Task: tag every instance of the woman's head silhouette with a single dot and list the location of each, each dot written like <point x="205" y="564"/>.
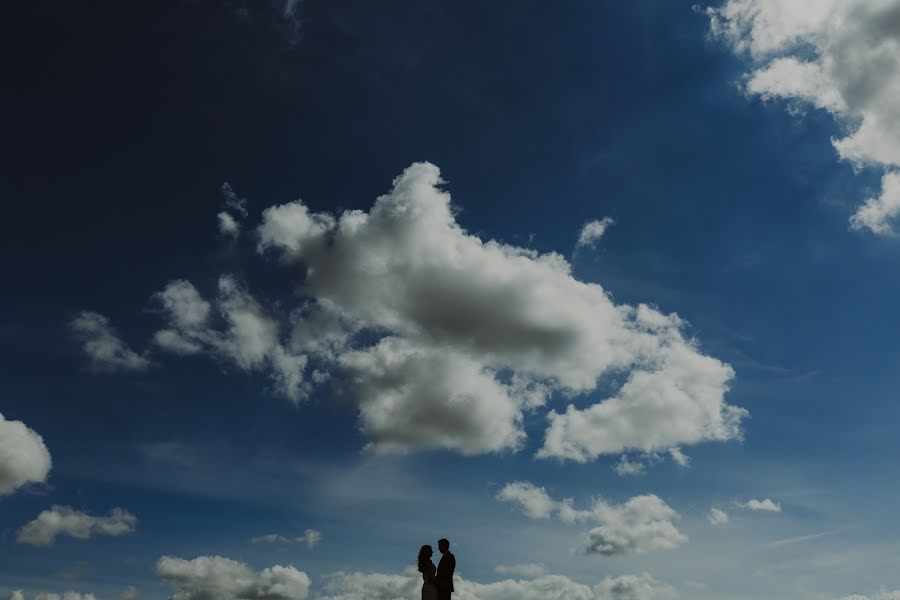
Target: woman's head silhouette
<point x="424" y="556"/>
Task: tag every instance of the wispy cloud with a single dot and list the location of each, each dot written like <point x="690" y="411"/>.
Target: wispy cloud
<point x="800" y="539"/>
<point x="103" y="346"/>
<point x="311" y="538"/>
<point x="65" y="520"/>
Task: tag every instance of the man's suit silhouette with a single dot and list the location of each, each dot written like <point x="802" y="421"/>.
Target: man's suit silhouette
<point x="444" y="575"/>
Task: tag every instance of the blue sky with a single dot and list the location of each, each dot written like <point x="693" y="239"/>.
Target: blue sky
<point x="717" y="144"/>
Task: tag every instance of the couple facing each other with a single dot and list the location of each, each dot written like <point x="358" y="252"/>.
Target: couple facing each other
<point x="438" y="581"/>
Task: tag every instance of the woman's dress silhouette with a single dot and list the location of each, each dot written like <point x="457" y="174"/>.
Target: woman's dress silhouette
<point x="427" y="569"/>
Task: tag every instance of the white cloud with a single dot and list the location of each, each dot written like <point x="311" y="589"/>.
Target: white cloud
<point x="64" y="520"/>
<point x="634" y="587"/>
<point x="311" y="538"/>
<point x="20" y="595"/>
<point x="419" y="396"/>
<point x="681" y="459"/>
<point x="717" y="516"/>
<point x="630" y="468"/>
<point x="249" y="339"/>
<point x="407" y="586"/>
<point x="878" y="212"/>
<point x="882" y="595"/>
<point x="592" y="231"/>
<point x="546" y="587"/>
<point x="219" y="578"/>
<point x="23" y="456"/>
<point x="130" y="593"/>
<point x="228" y="226"/>
<point x="766" y="505"/>
<point x="533" y="501"/>
<point x="842" y="56"/>
<point x="474" y="332"/>
<point x="523" y="570"/>
<point x="686" y="386"/>
<point x="641" y="524"/>
<point x="374" y="586"/>
<point x="102" y="345"/>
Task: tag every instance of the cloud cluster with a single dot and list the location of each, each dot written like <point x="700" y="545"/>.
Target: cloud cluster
<point x="446" y="340"/>
<point x="883" y="595"/>
<point x="64" y="520"/>
<point x="842" y="56"/>
<point x="23" y="456"/>
<point x="104" y="348"/>
<point x="471" y="333"/>
<point x="219" y="578"/>
<point x="245" y="335"/>
<point x="407" y="586"/>
<point x="641" y="524"/>
<point x="310" y="538"/>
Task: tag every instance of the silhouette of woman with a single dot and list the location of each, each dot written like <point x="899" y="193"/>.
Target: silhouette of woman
<point x="427" y="569"/>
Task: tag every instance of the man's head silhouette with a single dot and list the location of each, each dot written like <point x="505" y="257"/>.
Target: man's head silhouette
<point x="443" y="545"/>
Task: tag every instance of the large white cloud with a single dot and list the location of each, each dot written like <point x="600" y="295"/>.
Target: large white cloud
<point x="471" y="333"/>
<point x="64" y="520"/>
<point x="103" y="346"/>
<point x="842" y="56"/>
<point x="641" y="524"/>
<point x="445" y="340"/>
<point x="23" y="456"/>
<point x="407" y="586"/>
<point x="883" y="595"/>
<point x="219" y="578"/>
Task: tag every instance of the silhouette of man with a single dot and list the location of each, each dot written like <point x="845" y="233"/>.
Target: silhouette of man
<point x="444" y="576"/>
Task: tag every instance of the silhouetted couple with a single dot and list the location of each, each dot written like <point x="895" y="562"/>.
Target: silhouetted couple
<point x="438" y="582"/>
